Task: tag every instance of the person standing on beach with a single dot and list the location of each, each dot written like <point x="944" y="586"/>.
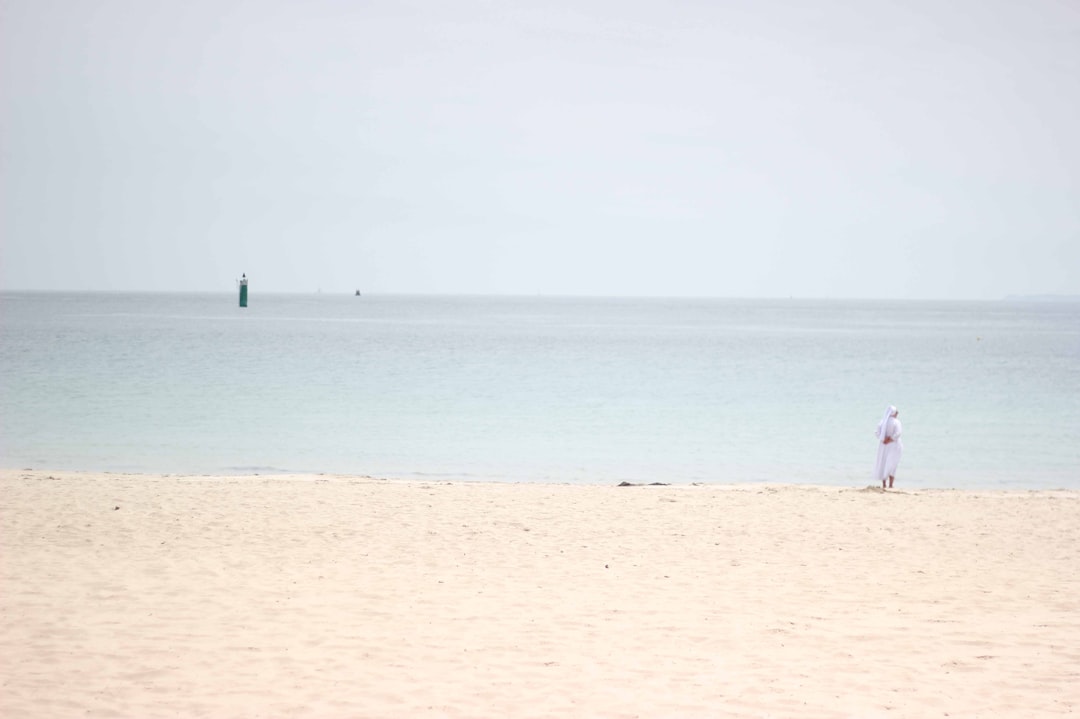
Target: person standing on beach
<point x="889" y="447"/>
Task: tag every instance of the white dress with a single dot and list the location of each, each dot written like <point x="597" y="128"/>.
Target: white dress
<point x="888" y="455"/>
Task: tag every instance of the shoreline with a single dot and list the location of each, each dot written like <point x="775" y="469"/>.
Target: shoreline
<point x="342" y="595"/>
<point x="7" y="473"/>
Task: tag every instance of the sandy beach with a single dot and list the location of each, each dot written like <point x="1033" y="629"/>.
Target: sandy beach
<point x="335" y="596"/>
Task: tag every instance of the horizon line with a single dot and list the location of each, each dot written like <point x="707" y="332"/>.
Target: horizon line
<point x="1035" y="297"/>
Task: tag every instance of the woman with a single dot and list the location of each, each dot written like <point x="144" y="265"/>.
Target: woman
<point x="889" y="447"/>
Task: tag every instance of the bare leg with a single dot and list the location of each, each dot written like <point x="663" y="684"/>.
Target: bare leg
<point x="883" y="483"/>
<point x="890" y="481"/>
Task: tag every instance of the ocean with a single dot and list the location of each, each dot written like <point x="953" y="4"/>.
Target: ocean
<point x="541" y="389"/>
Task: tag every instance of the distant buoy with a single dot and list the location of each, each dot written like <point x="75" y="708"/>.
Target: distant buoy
<point x="243" y="290"/>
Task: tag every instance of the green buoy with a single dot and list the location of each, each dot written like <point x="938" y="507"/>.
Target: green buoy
<point x="243" y="290"/>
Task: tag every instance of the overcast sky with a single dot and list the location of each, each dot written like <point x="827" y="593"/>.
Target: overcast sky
<point x="756" y="148"/>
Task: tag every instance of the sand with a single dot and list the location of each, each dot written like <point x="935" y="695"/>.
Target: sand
<point x="332" y="596"/>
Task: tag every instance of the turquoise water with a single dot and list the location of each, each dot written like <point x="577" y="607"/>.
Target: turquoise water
<point x="541" y="389"/>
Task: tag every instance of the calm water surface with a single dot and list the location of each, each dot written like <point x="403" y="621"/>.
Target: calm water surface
<point x="541" y="389"/>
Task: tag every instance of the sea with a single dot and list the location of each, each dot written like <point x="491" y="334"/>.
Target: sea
<point x="542" y="389"/>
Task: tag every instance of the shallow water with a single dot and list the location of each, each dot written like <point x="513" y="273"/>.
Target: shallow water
<point x="542" y="389"/>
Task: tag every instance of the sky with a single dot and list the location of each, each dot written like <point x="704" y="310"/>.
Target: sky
<point x="742" y="148"/>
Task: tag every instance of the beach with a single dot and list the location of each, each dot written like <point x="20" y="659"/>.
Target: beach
<point x="129" y="595"/>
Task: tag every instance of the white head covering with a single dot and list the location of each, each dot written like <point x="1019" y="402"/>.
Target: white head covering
<point x="883" y="428"/>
